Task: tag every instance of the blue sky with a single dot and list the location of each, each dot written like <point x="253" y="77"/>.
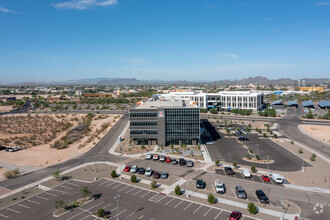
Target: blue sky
<point x="43" y="40"/>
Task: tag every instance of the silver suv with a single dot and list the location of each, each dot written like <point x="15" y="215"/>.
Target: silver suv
<point x="240" y="192"/>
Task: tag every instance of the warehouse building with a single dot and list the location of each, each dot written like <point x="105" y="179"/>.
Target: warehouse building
<point x="165" y="122"/>
<point x="227" y="99"/>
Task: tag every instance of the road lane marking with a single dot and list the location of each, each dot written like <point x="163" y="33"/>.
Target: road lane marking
<point x="197" y="209"/>
<point x="94" y="206"/>
<point x="51" y="194"/>
<point x="169" y="201"/>
<point x="24" y="206"/>
<point x="4" y="216"/>
<point x="137" y="192"/>
<point x="13" y="210"/>
<point x="110" y="184"/>
<point x="130" y="190"/>
<point x="145" y="194"/>
<point x="187" y="206"/>
<point x="207" y="211"/>
<point x="123" y="188"/>
<point x="33" y="202"/>
<point x="72" y="184"/>
<point x="178" y="204"/>
<point x="66" y="187"/>
<point x="218" y="215"/>
<point x="42" y="198"/>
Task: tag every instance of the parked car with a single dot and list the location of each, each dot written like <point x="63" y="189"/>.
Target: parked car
<point x="9" y="149"/>
<point x="16" y="149"/>
<point x="246" y="174"/>
<point x="155" y="157"/>
<point x="190" y="163"/>
<point x="164" y="175"/>
<point x="200" y="184"/>
<point x="174" y="161"/>
<point x="134" y="169"/>
<point x="240" y="192"/>
<point x="262" y="196"/>
<point x="156" y="175"/>
<point x="242" y="138"/>
<point x="148" y="156"/>
<point x="182" y="162"/>
<point x="127" y="168"/>
<point x="141" y="170"/>
<point x="219" y="186"/>
<point x="238" y="132"/>
<point x="277" y="178"/>
<point x="162" y="158"/>
<point x="229" y="171"/>
<point x="148" y="172"/>
<point x="209" y="143"/>
<point x="265" y="178"/>
<point x="168" y="160"/>
<point x="235" y="215"/>
<point x="2" y="147"/>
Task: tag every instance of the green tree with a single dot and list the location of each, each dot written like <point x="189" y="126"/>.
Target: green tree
<point x="113" y="174"/>
<point x="211" y="199"/>
<point x="153" y="184"/>
<point x="56" y="174"/>
<point x="235" y="164"/>
<point x="213" y="111"/>
<point x="177" y="190"/>
<point x="253" y="169"/>
<point x="217" y="162"/>
<point x="59" y="203"/>
<point x="101" y="213"/>
<point x="313" y="157"/>
<point x="85" y="191"/>
<point x="252" y="208"/>
<point x="133" y="179"/>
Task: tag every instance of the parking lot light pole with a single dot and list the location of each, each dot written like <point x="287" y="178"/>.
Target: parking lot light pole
<point x="257" y="149"/>
<point x="117" y="198"/>
<point x="268" y="163"/>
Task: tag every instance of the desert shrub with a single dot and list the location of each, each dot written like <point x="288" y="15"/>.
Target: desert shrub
<point x="177" y="190"/>
<point x="211" y="199"/>
<point x="113" y="174"/>
<point x="253" y="169"/>
<point x="101" y="213"/>
<point x="252" y="208"/>
<point x="153" y="184"/>
<point x="301" y="151"/>
<point x="313" y="157"/>
<point x="133" y="179"/>
<point x="11" y="173"/>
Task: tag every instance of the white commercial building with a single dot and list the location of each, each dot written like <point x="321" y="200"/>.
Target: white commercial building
<point x="227" y="99"/>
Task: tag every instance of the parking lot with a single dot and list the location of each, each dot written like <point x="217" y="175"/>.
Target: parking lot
<point x="134" y="203"/>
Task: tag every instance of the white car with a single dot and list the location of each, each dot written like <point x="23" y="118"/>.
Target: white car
<point x="246" y="174"/>
<point x="148" y="156"/>
<point x="219" y="186"/>
<point x="148" y="172"/>
<point x="134" y="169"/>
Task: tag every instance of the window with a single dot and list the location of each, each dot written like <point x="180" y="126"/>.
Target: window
<point x="144" y="132"/>
<point x="143" y="114"/>
<point x="143" y="123"/>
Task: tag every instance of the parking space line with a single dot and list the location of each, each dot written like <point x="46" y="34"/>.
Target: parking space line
<point x="198" y="209"/>
<point x="51" y="194"/>
<point x="107" y="206"/>
<point x="242" y="176"/>
<point x="178" y="204"/>
<point x="4" y="216"/>
<point x="119" y="213"/>
<point x="33" y="202"/>
<point x="145" y="194"/>
<point x="123" y="188"/>
<point x="72" y="184"/>
<point x="75" y="215"/>
<point x="233" y="192"/>
<point x="110" y="184"/>
<point x="85" y="217"/>
<point x="129" y="215"/>
<point x="169" y="201"/>
<point x="42" y="198"/>
<point x="130" y="190"/>
<point x="117" y="186"/>
<point x="24" y="206"/>
<point x="141" y="217"/>
<point x="243" y="217"/>
<point x="59" y="191"/>
<point x="261" y="179"/>
<point x="106" y="181"/>
<point x="137" y="192"/>
<point x="218" y="214"/>
<point x="271" y="204"/>
<point x="94" y="206"/>
<point x="13" y="210"/>
<point x="256" y="197"/>
<point x="187" y="206"/>
<point x="65" y="187"/>
<point x="207" y="211"/>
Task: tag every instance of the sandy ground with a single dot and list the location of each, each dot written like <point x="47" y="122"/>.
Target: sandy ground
<point x="42" y="155"/>
<point x="320" y="132"/>
<point x="4" y="108"/>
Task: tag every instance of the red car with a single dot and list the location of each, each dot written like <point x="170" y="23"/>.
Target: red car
<point x="168" y="160"/>
<point x="127" y="168"/>
<point x="265" y="178"/>
<point x="156" y="175"/>
<point x="235" y="215"/>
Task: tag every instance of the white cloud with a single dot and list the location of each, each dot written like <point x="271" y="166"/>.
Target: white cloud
<point x="323" y="3"/>
<point x="84" y="4"/>
<point x="230" y="55"/>
<point x="5" y="10"/>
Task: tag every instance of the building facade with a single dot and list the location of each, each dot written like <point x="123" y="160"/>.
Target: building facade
<point x="163" y="123"/>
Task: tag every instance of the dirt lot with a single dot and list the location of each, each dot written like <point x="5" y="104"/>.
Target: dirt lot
<point x="42" y="154"/>
<point x="4" y="108"/>
<point x="320" y="132"/>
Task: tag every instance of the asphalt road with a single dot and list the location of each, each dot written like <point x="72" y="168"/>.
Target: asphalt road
<point x="97" y="153"/>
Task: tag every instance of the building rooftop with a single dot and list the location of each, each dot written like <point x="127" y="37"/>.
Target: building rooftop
<point x="324" y="104"/>
<point x="292" y="102"/>
<point x="307" y="103"/>
<point x="180" y="103"/>
<point x="277" y="102"/>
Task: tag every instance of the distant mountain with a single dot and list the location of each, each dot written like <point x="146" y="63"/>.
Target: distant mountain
<point x="119" y="81"/>
<point x="258" y="80"/>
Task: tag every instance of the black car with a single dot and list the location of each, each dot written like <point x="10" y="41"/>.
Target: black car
<point x="182" y="162"/>
<point x="200" y="184"/>
<point x="141" y="170"/>
<point x="174" y="161"/>
<point x="229" y="171"/>
<point x="2" y="147"/>
<point x="262" y="196"/>
<point x="9" y="149"/>
<point x="243" y="138"/>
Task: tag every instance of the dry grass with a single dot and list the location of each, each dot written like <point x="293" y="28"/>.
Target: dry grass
<point x="11" y="173"/>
